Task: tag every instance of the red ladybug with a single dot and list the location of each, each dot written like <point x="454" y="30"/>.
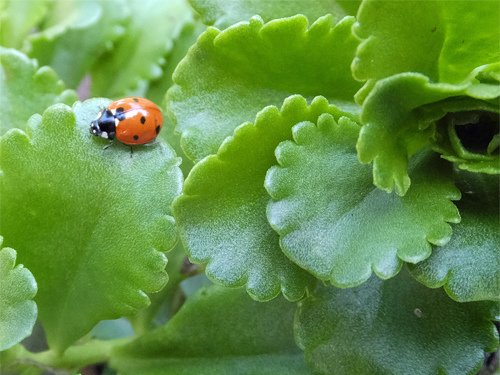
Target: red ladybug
<point x="132" y="121"/>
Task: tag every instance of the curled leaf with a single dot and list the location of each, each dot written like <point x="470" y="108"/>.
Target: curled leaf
<point x="470" y="137"/>
<point x="392" y="134"/>
<point x="414" y="54"/>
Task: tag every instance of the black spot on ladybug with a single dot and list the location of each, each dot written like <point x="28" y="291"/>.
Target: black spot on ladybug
<point x="143" y="119"/>
<point x="135" y="100"/>
<point x="158" y="129"/>
<point x="136" y="137"/>
<point x="120" y="113"/>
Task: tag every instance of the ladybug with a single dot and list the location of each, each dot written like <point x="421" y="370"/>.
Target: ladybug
<point x="132" y="121"/>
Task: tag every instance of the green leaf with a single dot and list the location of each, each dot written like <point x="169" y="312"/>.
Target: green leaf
<point x="222" y="212"/>
<point x="396" y="326"/>
<point x="460" y="58"/>
<point x="163" y="302"/>
<point x="335" y="224"/>
<point x="426" y="37"/>
<point x="137" y="58"/>
<point x="158" y="88"/>
<point x="218" y="331"/>
<point x="26" y="89"/>
<point x="91" y="223"/>
<point x="391" y="134"/>
<point x="77" y="33"/>
<point x="18" y="18"/>
<point x="468" y="266"/>
<point x="17" y="309"/>
<point x="222" y="14"/>
<point x="228" y="76"/>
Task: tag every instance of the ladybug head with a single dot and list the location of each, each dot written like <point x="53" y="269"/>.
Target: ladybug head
<point x="104" y="126"/>
<point x="94" y="128"/>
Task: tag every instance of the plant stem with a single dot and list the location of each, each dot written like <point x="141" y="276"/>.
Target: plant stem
<point x="75" y="357"/>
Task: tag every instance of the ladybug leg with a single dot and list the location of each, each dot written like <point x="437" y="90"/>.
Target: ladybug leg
<point x="131" y="151"/>
<point x="108" y="145"/>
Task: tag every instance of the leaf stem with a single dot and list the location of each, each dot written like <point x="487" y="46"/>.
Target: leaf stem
<point x="75" y="357"/>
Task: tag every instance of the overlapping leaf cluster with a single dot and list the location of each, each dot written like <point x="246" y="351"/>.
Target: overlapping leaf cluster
<point x="288" y="181"/>
<point x="341" y="163"/>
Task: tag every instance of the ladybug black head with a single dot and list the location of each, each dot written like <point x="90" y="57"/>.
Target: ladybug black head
<point x="104" y="126"/>
<point x="94" y="128"/>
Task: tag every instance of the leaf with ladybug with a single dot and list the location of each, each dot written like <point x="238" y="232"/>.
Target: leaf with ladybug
<point x="91" y="223"/>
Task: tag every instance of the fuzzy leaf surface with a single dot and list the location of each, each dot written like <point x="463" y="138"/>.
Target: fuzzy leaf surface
<point x="222" y="14"/>
<point x="17" y="309"/>
<point x="91" y="224"/>
<point x="440" y="39"/>
<point x="137" y="58"/>
<point x="222" y="212"/>
<point x="379" y="328"/>
<point x="76" y="35"/>
<point x="228" y="76"/>
<point x="18" y="18"/>
<point x="391" y="134"/>
<point x="335" y="224"/>
<point x="26" y="89"/>
<point x="218" y="331"/>
<point x="469" y="265"/>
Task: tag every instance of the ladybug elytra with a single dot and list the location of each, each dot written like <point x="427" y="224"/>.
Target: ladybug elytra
<point x="132" y="121"/>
